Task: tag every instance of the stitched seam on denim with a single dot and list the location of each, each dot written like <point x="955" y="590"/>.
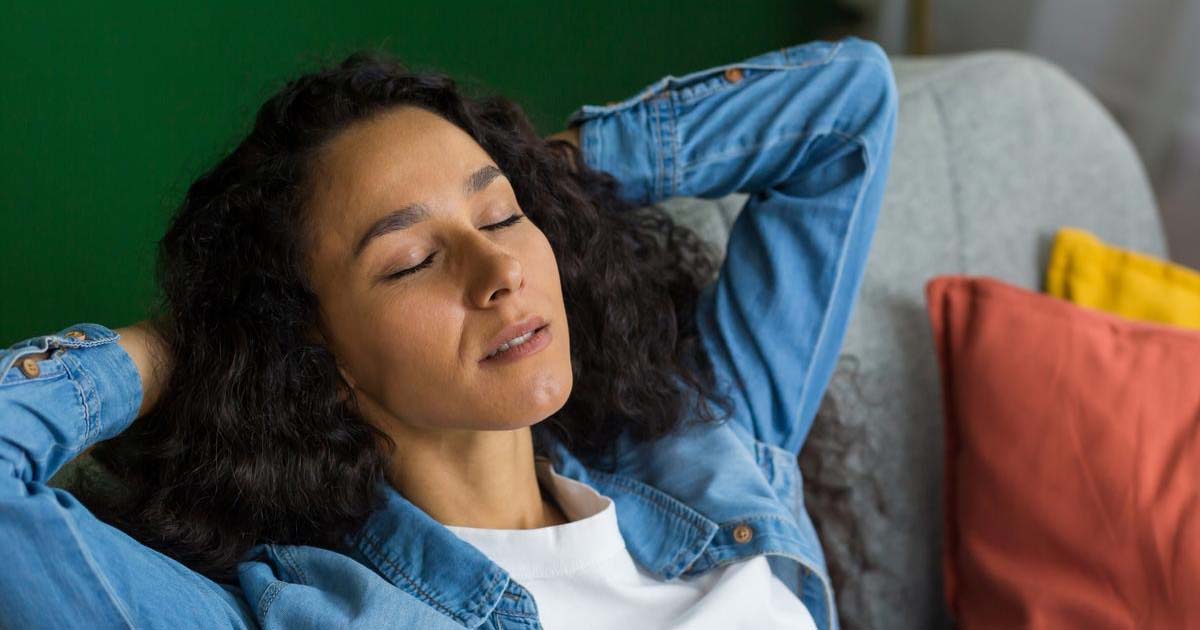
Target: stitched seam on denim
<point x="881" y="64"/>
<point x="61" y="337"/>
<point x="714" y="562"/>
<point x="765" y="460"/>
<point x="768" y="69"/>
<point x="94" y="406"/>
<point x="657" y="501"/>
<point x="656" y="134"/>
<point x="740" y="151"/>
<point x="642" y="492"/>
<point x="7" y="358"/>
<point x="757" y="515"/>
<point x="100" y="577"/>
<point x="267" y="599"/>
<point x="673" y="132"/>
<point x="12" y="354"/>
<point x="855" y="217"/>
<point x="775" y="551"/>
<point x="770" y="539"/>
<point x="377" y="548"/>
<point x="775" y="453"/>
<point x="833" y="51"/>
<point x="88" y="431"/>
<point x="85" y="385"/>
<point x="725" y="84"/>
<point x="287" y="556"/>
<point x="475" y="606"/>
<point x="629" y="485"/>
<point x="67" y="342"/>
<point x="40" y="379"/>
<point x="837" y="45"/>
<point x="515" y="614"/>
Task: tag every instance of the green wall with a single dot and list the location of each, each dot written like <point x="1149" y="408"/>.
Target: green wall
<point x="107" y="114"/>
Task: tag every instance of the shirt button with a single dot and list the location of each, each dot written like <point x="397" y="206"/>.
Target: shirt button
<point x="743" y="533"/>
<point x="733" y="75"/>
<point x="29" y="366"/>
<point x="77" y="335"/>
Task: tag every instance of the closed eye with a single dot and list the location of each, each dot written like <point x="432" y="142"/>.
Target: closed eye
<point x="429" y="260"/>
<point x="505" y="223"/>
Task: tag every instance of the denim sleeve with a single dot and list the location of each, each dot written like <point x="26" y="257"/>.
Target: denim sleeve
<point x="63" y="567"/>
<point x="807" y="132"/>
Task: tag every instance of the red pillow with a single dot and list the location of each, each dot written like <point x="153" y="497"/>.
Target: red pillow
<point x="1072" y="462"/>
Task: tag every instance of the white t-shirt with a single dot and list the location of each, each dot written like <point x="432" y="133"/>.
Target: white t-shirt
<point x="582" y="577"/>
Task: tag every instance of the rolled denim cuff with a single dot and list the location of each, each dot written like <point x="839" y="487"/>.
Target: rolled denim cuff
<point x="86" y="391"/>
<point x="109" y="385"/>
<point x="109" y="380"/>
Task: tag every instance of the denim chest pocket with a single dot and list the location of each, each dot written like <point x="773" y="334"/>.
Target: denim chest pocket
<point x="695" y="85"/>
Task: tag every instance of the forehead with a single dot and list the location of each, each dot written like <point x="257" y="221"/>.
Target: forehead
<point x="402" y="156"/>
<point x="405" y="150"/>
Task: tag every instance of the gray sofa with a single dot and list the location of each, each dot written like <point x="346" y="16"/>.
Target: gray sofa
<point x="995" y="150"/>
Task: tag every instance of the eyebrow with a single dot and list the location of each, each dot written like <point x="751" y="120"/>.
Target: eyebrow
<point x="416" y="212"/>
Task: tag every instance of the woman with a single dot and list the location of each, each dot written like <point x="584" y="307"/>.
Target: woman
<point x="417" y="367"/>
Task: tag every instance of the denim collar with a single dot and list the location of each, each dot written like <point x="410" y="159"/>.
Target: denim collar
<point x="668" y="511"/>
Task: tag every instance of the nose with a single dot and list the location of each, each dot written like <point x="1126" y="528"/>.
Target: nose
<point x="496" y="274"/>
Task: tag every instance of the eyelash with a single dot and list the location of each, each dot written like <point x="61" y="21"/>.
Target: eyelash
<point x="429" y="260"/>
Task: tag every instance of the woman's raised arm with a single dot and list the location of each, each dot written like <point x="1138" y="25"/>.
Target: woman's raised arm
<point x="64" y="568"/>
<point x="807" y="131"/>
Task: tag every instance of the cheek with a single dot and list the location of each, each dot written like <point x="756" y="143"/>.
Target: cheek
<point x="546" y="268"/>
<point x="416" y="345"/>
<point x="545" y="261"/>
<point x="415" y="350"/>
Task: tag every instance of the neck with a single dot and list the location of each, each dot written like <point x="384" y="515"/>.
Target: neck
<point x="469" y="478"/>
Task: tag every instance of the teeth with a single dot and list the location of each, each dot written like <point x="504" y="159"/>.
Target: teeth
<point x="515" y="342"/>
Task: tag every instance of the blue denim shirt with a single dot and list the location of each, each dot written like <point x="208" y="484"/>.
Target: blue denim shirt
<point x="806" y="130"/>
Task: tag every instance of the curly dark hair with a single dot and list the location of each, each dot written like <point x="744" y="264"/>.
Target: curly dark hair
<point x="250" y="441"/>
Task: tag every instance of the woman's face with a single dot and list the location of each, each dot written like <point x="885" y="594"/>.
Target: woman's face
<point x="412" y="345"/>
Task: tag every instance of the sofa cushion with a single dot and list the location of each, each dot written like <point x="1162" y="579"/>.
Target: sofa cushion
<point x="1072" y="453"/>
<point x="1092" y="273"/>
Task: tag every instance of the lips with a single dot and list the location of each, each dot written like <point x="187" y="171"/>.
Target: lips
<point x="512" y="331"/>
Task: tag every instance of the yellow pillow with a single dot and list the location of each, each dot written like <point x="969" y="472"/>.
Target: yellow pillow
<point x="1088" y="272"/>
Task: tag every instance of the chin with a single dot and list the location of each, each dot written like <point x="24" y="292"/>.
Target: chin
<point x="542" y="404"/>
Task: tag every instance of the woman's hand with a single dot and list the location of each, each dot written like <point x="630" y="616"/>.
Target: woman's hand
<point x="571" y="135"/>
<point x="149" y="354"/>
